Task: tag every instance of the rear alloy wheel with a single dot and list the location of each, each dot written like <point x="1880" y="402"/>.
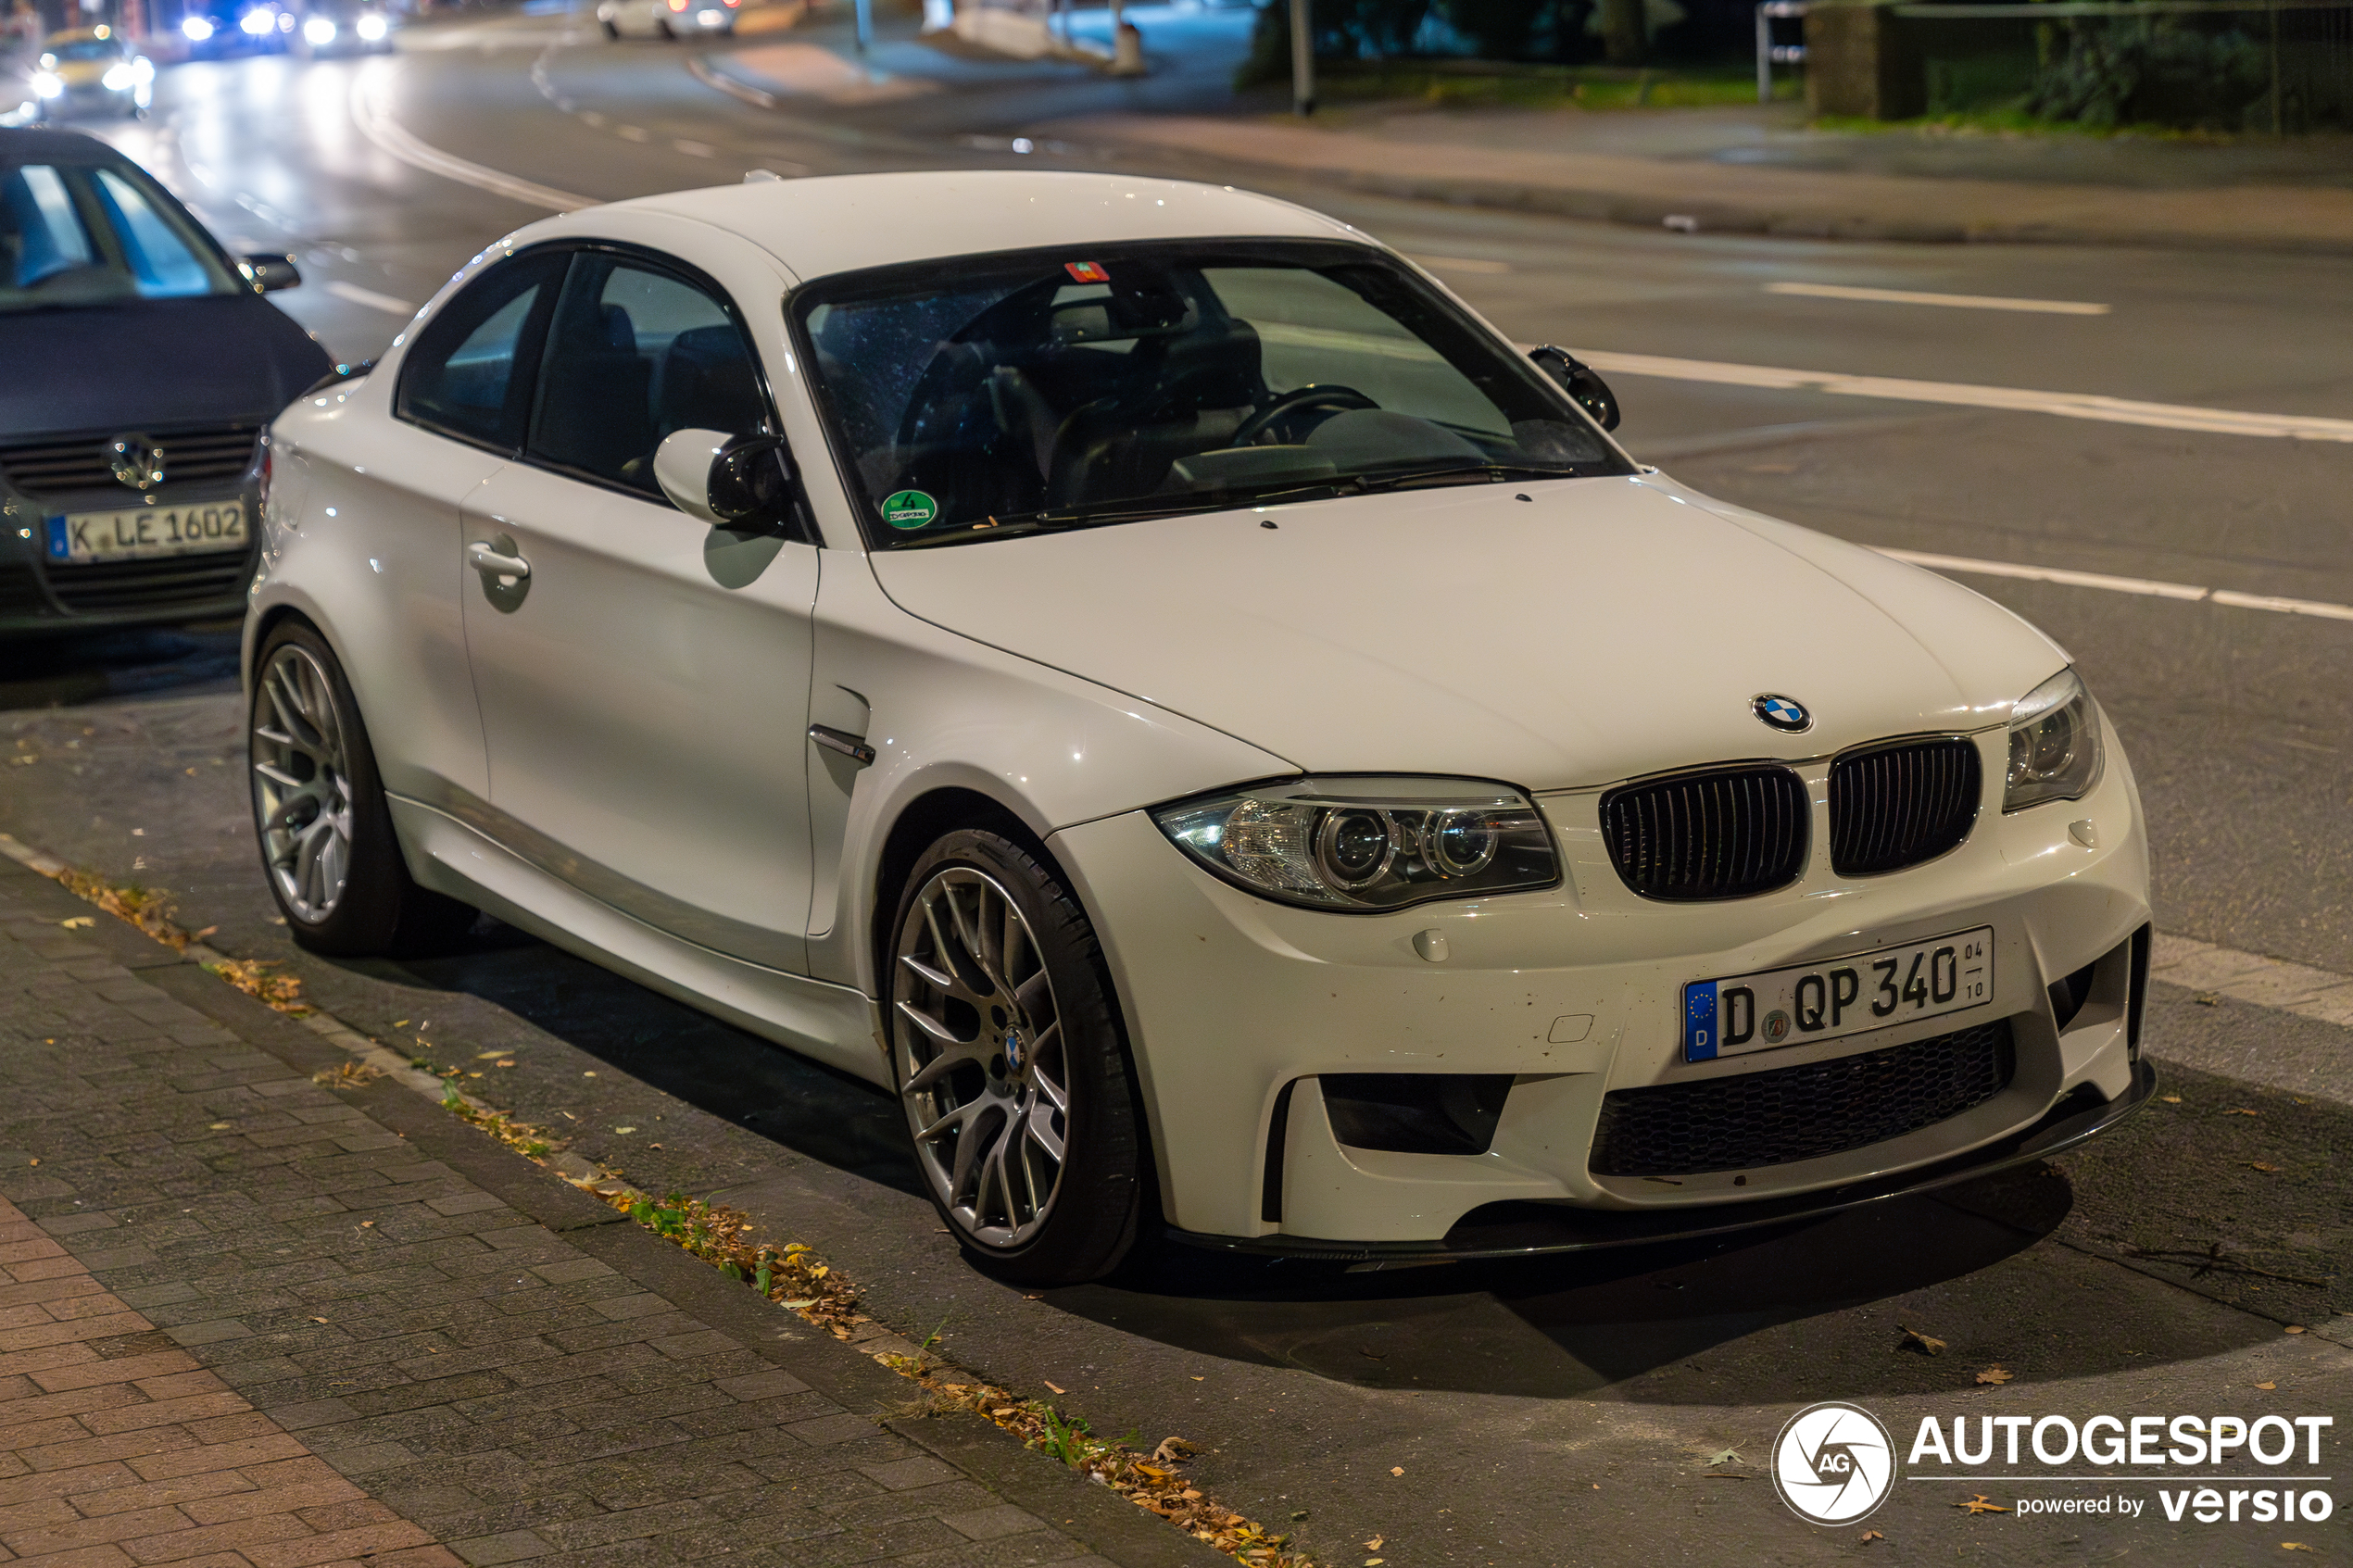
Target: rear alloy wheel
<point x="327" y="842"/>
<point x="1011" y="1066"/>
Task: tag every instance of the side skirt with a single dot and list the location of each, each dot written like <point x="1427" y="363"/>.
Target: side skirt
<point x="835" y="1025"/>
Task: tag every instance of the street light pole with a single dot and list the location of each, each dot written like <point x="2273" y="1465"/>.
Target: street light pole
<point x="1303" y="58"/>
<point x="866" y="24"/>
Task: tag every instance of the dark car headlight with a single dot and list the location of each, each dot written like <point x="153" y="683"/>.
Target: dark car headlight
<point x="2054" y="745"/>
<point x="1368" y="843"/>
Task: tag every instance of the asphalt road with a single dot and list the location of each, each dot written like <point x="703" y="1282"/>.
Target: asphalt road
<point x="1541" y="1414"/>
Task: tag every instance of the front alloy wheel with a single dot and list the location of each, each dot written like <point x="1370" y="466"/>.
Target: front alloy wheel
<point x="1010" y="1066"/>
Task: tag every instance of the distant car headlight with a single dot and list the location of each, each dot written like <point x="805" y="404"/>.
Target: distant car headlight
<point x="196" y="28"/>
<point x="372" y="27"/>
<point x="143" y="69"/>
<point x="257" y="22"/>
<point x="47" y="84"/>
<point x="2054" y="745"/>
<point x="1368" y="843"/>
<point x="119" y="77"/>
<point x="318" y="30"/>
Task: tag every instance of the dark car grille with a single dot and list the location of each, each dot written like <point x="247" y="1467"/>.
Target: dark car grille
<point x="1758" y="1119"/>
<point x="1901" y="805"/>
<point x="82" y="462"/>
<point x="144" y="584"/>
<point x="1722" y="835"/>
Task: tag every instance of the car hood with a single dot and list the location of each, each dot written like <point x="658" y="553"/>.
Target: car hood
<point x="219" y="359"/>
<point x="1571" y="633"/>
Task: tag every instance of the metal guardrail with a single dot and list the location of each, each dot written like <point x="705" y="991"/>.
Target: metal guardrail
<point x="1770" y="53"/>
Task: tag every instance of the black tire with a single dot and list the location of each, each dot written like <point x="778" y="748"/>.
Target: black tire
<point x="611" y="32"/>
<point x="669" y="33"/>
<point x="1090" y="1218"/>
<point x="379" y="910"/>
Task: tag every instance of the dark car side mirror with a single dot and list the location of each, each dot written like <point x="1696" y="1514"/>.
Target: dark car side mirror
<point x="1591" y="393"/>
<point x="268" y="272"/>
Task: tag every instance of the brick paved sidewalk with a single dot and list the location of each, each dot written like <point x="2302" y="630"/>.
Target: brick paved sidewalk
<point x="253" y="1322"/>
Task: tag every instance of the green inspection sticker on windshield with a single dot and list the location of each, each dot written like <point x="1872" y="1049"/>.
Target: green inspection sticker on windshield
<point x="910" y="508"/>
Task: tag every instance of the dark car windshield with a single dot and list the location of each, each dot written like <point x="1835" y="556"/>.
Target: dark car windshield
<point x="88" y="49"/>
<point x="1001" y="394"/>
<point x="71" y="234"/>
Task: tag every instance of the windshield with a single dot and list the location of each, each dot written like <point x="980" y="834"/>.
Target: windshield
<point x="87" y="49"/>
<point x="74" y="235"/>
<point x="1009" y="392"/>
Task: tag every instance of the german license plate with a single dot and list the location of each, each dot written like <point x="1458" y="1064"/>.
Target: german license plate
<point x="79" y="538"/>
<point x="1842" y="996"/>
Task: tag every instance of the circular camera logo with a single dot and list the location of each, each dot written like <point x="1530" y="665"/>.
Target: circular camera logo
<point x="1833" y="1464"/>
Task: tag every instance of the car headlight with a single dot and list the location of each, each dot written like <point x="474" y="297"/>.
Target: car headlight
<point x="198" y="29"/>
<point x="257" y="22"/>
<point x="319" y="31"/>
<point x="371" y="27"/>
<point x="48" y="84"/>
<point x="118" y="78"/>
<point x="1367" y="843"/>
<point x="2054" y="745"/>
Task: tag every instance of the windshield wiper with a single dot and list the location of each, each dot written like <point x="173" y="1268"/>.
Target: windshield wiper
<point x="1060" y="520"/>
<point x="1459" y="474"/>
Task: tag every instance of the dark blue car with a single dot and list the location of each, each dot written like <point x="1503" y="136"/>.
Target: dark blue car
<point x="139" y="365"/>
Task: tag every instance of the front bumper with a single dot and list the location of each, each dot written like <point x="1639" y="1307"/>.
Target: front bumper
<point x="37" y="596"/>
<point x="1237" y="1009"/>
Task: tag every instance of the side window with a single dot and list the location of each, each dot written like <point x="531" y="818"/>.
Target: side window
<point x="469" y="373"/>
<point x="634" y="354"/>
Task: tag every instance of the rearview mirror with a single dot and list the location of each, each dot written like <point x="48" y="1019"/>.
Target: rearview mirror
<point x="1591" y="393"/>
<point x="741" y="482"/>
<point x="268" y="272"/>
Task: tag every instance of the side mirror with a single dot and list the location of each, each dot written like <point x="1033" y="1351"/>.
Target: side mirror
<point x="268" y="272"/>
<point x="1591" y="393"/>
<point x="744" y="482"/>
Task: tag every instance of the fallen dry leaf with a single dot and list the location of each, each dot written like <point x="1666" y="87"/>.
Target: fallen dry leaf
<point x="2267" y="1387"/>
<point x="2171" y="1099"/>
<point x="1175" y="1450"/>
<point x="220" y="1127"/>
<point x="1375" y="1561"/>
<point x="2207" y="998"/>
<point x="2292" y="1328"/>
<point x="1927" y="1344"/>
<point x="2240" y="1110"/>
<point x="1723" y="1456"/>
<point x="1373" y="1544"/>
<point x="1870" y="1535"/>
<point x="318" y="1319"/>
<point x="1057" y="1387"/>
<point x="2295" y="1545"/>
<point x="1397" y="1470"/>
<point x="34" y="1161"/>
<point x="2259" y="1165"/>
<point x="78" y="923"/>
<point x="1981" y="1504"/>
<point x="1995" y="1376"/>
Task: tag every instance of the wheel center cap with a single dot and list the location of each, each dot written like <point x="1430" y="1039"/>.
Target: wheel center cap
<point x="1012" y="1050"/>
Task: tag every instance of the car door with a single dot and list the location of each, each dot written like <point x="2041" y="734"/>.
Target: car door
<point x="644" y="678"/>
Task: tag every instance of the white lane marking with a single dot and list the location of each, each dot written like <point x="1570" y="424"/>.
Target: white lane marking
<point x="1955" y="301"/>
<point x="695" y="149"/>
<point x="2249" y="977"/>
<point x="1460" y="264"/>
<point x="2145" y="586"/>
<point x="2066" y="405"/>
<point x="369" y="297"/>
<point x="385" y="133"/>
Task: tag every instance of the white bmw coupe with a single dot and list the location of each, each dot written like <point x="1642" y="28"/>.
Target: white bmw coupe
<point x="1142" y="673"/>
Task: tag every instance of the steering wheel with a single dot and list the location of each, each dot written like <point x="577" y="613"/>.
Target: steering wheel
<point x="1296" y="401"/>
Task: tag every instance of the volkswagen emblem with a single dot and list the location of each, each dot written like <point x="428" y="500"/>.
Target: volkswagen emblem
<point x="137" y="461"/>
<point x="1782" y="713"/>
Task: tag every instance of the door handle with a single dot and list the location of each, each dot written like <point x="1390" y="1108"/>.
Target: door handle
<point x="849" y="745"/>
<point x="492" y="563"/>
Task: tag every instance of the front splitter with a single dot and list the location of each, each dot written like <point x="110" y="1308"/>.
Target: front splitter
<point x="1529" y="1229"/>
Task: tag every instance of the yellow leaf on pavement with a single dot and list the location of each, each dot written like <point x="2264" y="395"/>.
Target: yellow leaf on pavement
<point x="1996" y="1376"/>
<point x="1981" y="1504"/>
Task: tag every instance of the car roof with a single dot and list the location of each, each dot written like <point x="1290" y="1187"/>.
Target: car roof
<point x="55" y="144"/>
<point x="840" y="223"/>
